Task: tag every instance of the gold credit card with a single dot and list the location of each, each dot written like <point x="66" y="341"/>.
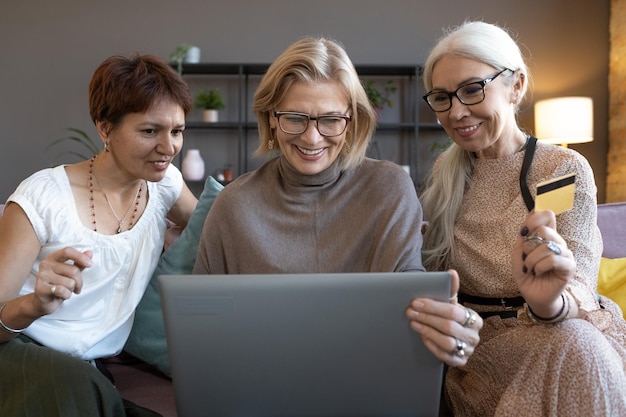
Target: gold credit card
<point x="556" y="194"/>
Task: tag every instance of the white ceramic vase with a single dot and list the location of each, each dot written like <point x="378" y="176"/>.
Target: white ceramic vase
<point x="209" y="115"/>
<point x="193" y="165"/>
<point x="193" y="55"/>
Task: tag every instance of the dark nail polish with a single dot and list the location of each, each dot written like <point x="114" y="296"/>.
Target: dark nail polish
<point x="533" y="272"/>
<point x="524" y="269"/>
<point x="524" y="256"/>
<point x="524" y="231"/>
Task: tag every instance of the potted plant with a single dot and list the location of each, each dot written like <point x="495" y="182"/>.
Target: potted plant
<point x="379" y="96"/>
<point x="184" y="53"/>
<point x="210" y="100"/>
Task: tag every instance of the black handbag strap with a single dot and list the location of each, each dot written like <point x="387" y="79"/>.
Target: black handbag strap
<point x="523" y="175"/>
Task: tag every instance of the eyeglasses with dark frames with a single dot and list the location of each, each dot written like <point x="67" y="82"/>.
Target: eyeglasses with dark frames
<point x="468" y="94"/>
<point x="294" y="123"/>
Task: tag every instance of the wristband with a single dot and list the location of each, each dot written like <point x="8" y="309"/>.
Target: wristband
<point x="559" y="317"/>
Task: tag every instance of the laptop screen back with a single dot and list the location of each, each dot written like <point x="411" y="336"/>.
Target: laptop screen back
<point x="300" y="344"/>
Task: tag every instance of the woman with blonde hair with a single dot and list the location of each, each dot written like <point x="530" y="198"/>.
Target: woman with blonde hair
<point x="319" y="205"/>
<point x="318" y="197"/>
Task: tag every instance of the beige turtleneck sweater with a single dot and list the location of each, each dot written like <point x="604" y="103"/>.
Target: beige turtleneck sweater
<point x="276" y="220"/>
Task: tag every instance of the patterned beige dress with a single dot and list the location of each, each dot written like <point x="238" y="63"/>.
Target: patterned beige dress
<point x="576" y="368"/>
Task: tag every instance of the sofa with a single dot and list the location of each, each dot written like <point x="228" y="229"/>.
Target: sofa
<point x="611" y="222"/>
<point x="612" y="274"/>
<point x="145" y="385"/>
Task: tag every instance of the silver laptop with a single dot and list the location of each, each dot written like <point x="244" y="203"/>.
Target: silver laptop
<point x="299" y="345"/>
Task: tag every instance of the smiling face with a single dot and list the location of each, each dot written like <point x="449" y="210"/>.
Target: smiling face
<point x="144" y="144"/>
<point x="489" y="128"/>
<point x="309" y="152"/>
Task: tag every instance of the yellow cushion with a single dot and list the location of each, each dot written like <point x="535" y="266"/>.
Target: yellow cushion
<point x="612" y="280"/>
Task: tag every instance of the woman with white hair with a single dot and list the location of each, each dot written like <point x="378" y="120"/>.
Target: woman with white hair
<point x="549" y="345"/>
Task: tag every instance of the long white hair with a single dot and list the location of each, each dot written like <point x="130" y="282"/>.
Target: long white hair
<point x="443" y="194"/>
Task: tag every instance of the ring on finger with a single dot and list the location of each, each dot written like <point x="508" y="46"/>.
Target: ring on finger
<point x="553" y="247"/>
<point x="459" y="351"/>
<point x="535" y="238"/>
<point x="470" y="317"/>
<point x="53" y="289"/>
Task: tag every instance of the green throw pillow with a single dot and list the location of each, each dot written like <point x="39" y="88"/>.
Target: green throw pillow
<point x="147" y="337"/>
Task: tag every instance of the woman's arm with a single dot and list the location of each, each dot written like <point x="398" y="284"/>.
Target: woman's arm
<point x="60" y="271"/>
<point x="183" y="207"/>
<point x="578" y="227"/>
<point x="19" y="248"/>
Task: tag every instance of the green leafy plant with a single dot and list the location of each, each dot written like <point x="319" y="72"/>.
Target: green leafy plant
<point x="80" y="137"/>
<point x="209" y="99"/>
<point x="380" y="96"/>
<point x="178" y="56"/>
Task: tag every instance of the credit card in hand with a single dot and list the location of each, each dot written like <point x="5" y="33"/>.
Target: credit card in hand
<point x="556" y="194"/>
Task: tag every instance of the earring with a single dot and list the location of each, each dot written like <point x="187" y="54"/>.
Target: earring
<point x="106" y="146"/>
<point x="346" y="146"/>
<point x="270" y="144"/>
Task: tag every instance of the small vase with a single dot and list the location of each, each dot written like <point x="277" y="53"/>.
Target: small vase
<point x="193" y="165"/>
<point x="209" y="115"/>
<point x="193" y="55"/>
<point x="227" y="172"/>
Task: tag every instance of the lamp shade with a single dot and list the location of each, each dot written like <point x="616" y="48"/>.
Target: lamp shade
<point x="564" y="120"/>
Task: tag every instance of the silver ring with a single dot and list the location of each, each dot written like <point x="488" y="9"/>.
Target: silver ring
<point x="53" y="289"/>
<point x="470" y="317"/>
<point x="459" y="351"/>
<point x="553" y="247"/>
<point x="534" y="238"/>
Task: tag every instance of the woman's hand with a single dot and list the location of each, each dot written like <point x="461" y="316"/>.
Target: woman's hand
<point x="449" y="330"/>
<point x="542" y="264"/>
<point x="59" y="277"/>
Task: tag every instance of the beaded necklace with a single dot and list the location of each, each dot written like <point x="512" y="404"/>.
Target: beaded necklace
<point x="120" y="220"/>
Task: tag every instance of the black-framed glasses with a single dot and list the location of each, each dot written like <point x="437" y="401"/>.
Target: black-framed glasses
<point x="294" y="123"/>
<point x="468" y="94"/>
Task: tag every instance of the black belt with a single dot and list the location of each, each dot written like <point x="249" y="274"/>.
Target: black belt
<point x="503" y="314"/>
<point x="505" y="302"/>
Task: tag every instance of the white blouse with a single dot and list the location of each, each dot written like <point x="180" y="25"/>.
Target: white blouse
<point x="96" y="322"/>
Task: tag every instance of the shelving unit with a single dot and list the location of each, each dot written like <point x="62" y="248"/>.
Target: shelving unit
<point x="398" y="135"/>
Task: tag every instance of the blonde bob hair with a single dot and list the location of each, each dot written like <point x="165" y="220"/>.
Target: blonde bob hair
<point x="443" y="194"/>
<point x="315" y="60"/>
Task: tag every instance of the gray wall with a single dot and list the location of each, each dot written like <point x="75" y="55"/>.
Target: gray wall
<point x="49" y="49"/>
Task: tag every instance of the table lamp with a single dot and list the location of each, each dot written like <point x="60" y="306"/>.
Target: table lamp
<point x="564" y="120"/>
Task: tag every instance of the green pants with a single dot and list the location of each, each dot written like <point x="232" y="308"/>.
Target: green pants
<point x="36" y="381"/>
